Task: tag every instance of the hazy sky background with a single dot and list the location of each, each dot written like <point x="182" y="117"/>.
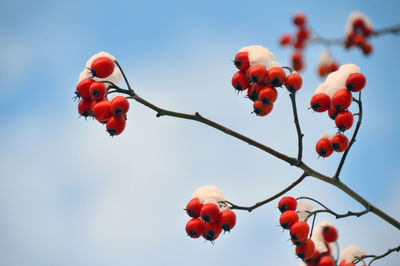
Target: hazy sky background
<point x="71" y="195"/>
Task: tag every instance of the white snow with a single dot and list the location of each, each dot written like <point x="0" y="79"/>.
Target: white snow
<point x="115" y="77"/>
<point x="325" y="58"/>
<point x="210" y="194"/>
<point x="328" y="136"/>
<point x="318" y="238"/>
<point x="304" y="209"/>
<point x="353" y="16"/>
<point x="259" y="55"/>
<point x="337" y="80"/>
<point x="350" y="253"/>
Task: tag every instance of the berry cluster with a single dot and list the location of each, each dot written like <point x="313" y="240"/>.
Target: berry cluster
<point x="358" y="29"/>
<point x="209" y="215"/>
<point x="315" y="251"/>
<point x="335" y="96"/>
<point x="207" y="220"/>
<point x="92" y="90"/>
<point x="326" y="64"/>
<point x="260" y="76"/>
<point x="298" y="40"/>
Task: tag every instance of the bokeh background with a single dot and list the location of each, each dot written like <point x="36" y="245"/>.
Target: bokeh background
<point x="72" y="195"/>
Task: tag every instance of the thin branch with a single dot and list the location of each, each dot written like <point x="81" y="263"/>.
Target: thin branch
<point x="319" y="39"/>
<point x="125" y="78"/>
<point x="377" y="257"/>
<point x="261" y="203"/>
<point x="353" y="138"/>
<point x="298" y="129"/>
<point x="290" y="160"/>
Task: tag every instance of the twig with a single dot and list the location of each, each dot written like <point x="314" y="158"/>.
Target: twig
<point x="259" y="204"/>
<point x="353" y="138"/>
<point x="290" y="160"/>
<point x="377" y="257"/>
<point x="298" y="129"/>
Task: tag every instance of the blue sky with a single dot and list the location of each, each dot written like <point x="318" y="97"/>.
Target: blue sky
<point x="71" y="195"/>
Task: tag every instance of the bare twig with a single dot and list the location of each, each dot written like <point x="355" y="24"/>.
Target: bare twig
<point x="298" y="129"/>
<point x="290" y="160"/>
<point x="353" y="138"/>
<point x="261" y="203"/>
<point x="377" y="257"/>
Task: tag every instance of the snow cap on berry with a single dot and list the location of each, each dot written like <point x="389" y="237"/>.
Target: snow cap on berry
<point x="328" y="136"/>
<point x="318" y="238"/>
<point x="357" y="15"/>
<point x="210" y="194"/>
<point x="325" y="58"/>
<point x="304" y="209"/>
<point x="350" y="253"/>
<point x="337" y="79"/>
<point x="115" y="77"/>
<point x="260" y="55"/>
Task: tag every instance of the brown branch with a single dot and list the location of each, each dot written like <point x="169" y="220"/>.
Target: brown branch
<point x="376" y="257"/>
<point x="353" y="138"/>
<point x="298" y="129"/>
<point x="290" y="160"/>
<point x="329" y="42"/>
<point x="261" y="203"/>
<point x="328" y="210"/>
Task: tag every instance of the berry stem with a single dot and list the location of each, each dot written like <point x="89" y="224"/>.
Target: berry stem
<point x="353" y="138"/>
<point x="298" y="129"/>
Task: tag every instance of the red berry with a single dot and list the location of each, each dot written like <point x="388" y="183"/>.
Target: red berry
<point x="326" y="261"/>
<point x="286" y="39"/>
<point x="344" y="120"/>
<point x="211" y="231"/>
<point x="314" y="259"/>
<point x="257" y="73"/>
<point x="358" y="39"/>
<point x="268" y="95"/>
<point x="297" y="58"/>
<point x="299" y="44"/>
<point x="320" y="102"/>
<point x="102" y="67"/>
<point x="97" y="90"/>
<point x="193" y="208"/>
<point x="115" y="125"/>
<point x="195" y="228"/>
<point x="84" y="107"/>
<point x="298" y="66"/>
<point x="302" y="34"/>
<point x="252" y="92"/>
<point x="340" y="143"/>
<point x="262" y="109"/>
<point x="323" y="70"/>
<point x="210" y="212"/>
<point x="358" y="23"/>
<point x="119" y="105"/>
<point x="366" y="48"/>
<point x="324" y="148"/>
<point x="299" y="232"/>
<point x="330" y="233"/>
<point x="227" y="220"/>
<point x="342" y="99"/>
<point x="334" y="66"/>
<point x="102" y="110"/>
<point x="305" y="250"/>
<point x="367" y="31"/>
<point x="276" y="76"/>
<point x="287" y="204"/>
<point x="240" y="81"/>
<point x="288" y="218"/>
<point x="355" y="82"/>
<point x="332" y="112"/>
<point x="293" y="82"/>
<point x="82" y="89"/>
<point x="242" y="61"/>
<point x="299" y="19"/>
